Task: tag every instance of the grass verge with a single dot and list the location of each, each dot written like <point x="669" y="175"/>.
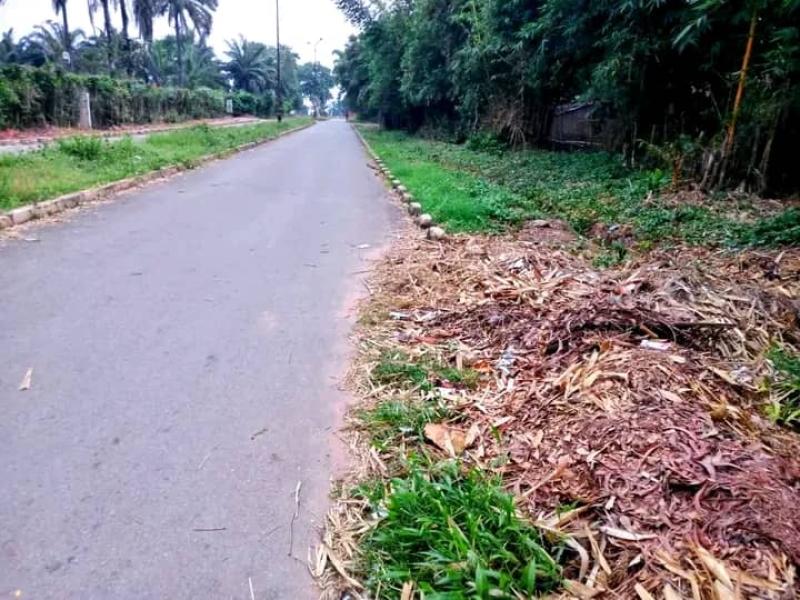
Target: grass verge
<point x="75" y="164"/>
<point x="455" y="535"/>
<point x="472" y="190"/>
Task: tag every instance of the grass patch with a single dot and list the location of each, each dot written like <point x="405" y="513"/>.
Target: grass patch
<point x="786" y="383"/>
<point x="80" y="163"/>
<point x="393" y="421"/>
<point x="397" y="369"/>
<point x="457" y="536"/>
<point x="482" y="187"/>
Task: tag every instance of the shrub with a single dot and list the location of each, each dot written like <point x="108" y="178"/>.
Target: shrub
<point x="32" y="96"/>
<point x="82" y="147"/>
<point x="457" y="536"/>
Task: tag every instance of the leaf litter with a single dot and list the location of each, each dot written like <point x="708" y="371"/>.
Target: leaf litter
<point x="622" y="407"/>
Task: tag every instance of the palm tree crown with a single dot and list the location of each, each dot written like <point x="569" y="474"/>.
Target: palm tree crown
<point x="248" y="66"/>
<point x="183" y="12"/>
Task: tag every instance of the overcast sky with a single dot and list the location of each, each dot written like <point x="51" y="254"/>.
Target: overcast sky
<point x="302" y="21"/>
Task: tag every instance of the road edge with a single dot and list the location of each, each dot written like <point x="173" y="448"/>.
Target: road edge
<point x="423" y="220"/>
<point x="37" y="210"/>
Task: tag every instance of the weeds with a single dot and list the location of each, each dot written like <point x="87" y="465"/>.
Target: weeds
<point x="393" y="421"/>
<point x="397" y="368"/>
<point x="456" y="536"/>
<point x="480" y="186"/>
<point x="785" y="408"/>
<point x="82" y="147"/>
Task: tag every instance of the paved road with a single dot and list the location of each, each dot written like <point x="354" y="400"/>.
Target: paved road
<point x="185" y="341"/>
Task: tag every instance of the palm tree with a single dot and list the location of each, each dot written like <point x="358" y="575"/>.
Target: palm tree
<point x="248" y="66"/>
<point x="126" y="40"/>
<point x="9" y="52"/>
<point x="60" y="6"/>
<point x="144" y="13"/>
<point x="182" y="12"/>
<point x="48" y="42"/>
<point x="109" y="29"/>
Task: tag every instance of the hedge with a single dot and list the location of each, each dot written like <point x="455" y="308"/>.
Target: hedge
<point x="34" y="97"/>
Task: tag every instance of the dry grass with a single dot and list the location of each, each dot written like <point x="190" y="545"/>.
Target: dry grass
<point x="623" y="408"/>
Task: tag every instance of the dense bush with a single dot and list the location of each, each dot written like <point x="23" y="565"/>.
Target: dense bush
<point x="31" y="97"/>
<point x="657" y="74"/>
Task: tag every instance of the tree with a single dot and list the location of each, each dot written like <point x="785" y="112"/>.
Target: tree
<point x="316" y="82"/>
<point x="248" y="66"/>
<point x="180" y="14"/>
<point x="94" y="6"/>
<point x="60" y="6"/>
<point x="144" y="13"/>
<point x="200" y="66"/>
<point x="46" y="44"/>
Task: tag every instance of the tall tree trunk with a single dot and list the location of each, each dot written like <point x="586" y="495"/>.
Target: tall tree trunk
<point x="109" y="40"/>
<point x="67" y="38"/>
<point x="123" y="7"/>
<point x="179" y="47"/>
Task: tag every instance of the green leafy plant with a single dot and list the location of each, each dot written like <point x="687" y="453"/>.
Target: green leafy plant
<point x="457" y="536"/>
<point x="82" y="147"/>
<point x="785" y="408"/>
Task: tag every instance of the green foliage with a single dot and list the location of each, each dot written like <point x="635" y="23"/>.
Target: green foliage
<point x="782" y="229"/>
<point x="397" y="368"/>
<point x="665" y="72"/>
<point x="82" y="147"/>
<point x="394" y="420"/>
<point x="457" y="536"/>
<point x="316" y="82"/>
<point x="786" y="382"/>
<point x="480" y="190"/>
<point x="32" y="97"/>
<point x="78" y="164"/>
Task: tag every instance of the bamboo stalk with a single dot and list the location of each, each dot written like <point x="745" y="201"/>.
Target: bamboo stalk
<point x="737" y="103"/>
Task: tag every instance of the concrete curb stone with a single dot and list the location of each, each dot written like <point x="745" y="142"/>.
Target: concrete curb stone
<point x="424" y="221"/>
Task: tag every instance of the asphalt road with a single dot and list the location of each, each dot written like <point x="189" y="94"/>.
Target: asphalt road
<point x="186" y="342"/>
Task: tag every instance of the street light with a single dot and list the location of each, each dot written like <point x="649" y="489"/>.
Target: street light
<point x="279" y="93"/>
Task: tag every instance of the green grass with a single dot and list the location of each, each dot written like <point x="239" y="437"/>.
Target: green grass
<point x="397" y="369"/>
<point x="80" y="163"/>
<point x="456" y="536"/>
<point x="479" y="187"/>
<point x="786" y="383"/>
<point x="394" y="421"/>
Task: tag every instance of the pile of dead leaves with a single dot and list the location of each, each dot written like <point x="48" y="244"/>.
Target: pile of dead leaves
<point x="624" y="408"/>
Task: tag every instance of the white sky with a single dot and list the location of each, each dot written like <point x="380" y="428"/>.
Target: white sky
<point x="302" y="21"/>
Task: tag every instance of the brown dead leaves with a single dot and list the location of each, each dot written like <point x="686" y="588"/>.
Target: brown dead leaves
<point x="633" y="393"/>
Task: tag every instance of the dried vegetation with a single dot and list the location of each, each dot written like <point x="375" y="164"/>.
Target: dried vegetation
<point x="626" y="409"/>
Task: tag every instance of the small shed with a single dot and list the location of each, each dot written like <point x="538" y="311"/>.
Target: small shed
<point x="583" y="124"/>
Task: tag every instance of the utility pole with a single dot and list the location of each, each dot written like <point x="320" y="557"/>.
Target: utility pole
<point x="279" y="92"/>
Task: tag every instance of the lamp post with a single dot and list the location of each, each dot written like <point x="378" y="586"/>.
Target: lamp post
<point x="279" y="91"/>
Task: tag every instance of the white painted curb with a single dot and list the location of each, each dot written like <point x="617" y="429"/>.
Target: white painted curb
<point x="424" y="221"/>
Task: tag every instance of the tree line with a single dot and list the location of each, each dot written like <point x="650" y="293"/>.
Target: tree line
<point x="184" y="59"/>
<point x="711" y="87"/>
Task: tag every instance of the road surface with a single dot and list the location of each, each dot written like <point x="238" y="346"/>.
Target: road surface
<point x="186" y="342"/>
